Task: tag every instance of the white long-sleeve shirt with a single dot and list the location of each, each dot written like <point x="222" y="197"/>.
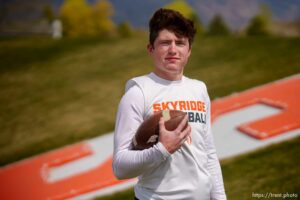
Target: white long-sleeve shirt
<point x="193" y="172"/>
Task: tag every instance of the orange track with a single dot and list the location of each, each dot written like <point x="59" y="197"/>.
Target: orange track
<point x="28" y="179"/>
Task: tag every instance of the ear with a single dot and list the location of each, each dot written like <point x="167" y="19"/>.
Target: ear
<point x="150" y="48"/>
<point x="190" y="51"/>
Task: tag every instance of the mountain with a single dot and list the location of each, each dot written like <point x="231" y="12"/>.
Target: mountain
<point x="137" y="12"/>
<point x="236" y="13"/>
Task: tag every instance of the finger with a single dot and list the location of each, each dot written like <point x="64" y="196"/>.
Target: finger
<point x="182" y="124"/>
<point x="189" y="139"/>
<point x="186" y="132"/>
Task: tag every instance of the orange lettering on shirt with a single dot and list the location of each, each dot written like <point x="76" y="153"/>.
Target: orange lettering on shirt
<point x="182" y="105"/>
<point x="200" y="106"/>
<point x="165" y="105"/>
<point x="156" y="107"/>
<point x="193" y="105"/>
<point x="174" y="104"/>
<point x="188" y="105"/>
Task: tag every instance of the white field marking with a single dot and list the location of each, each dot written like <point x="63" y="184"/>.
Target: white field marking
<point x="231" y="142"/>
<point x="102" y="148"/>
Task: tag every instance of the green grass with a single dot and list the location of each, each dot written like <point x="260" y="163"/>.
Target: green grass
<point x="19" y="53"/>
<point x="274" y="169"/>
<point x="232" y="64"/>
<point x="55" y="93"/>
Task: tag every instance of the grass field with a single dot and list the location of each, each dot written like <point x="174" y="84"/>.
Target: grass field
<point x="55" y="93"/>
<point x="269" y="171"/>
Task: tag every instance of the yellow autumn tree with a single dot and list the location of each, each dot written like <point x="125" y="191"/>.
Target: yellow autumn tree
<point x="186" y="10"/>
<point x="102" y="13"/>
<point x="76" y="16"/>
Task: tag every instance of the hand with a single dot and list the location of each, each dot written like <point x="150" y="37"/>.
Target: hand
<point x="173" y="140"/>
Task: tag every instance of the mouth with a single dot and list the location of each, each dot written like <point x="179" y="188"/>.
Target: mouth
<point x="172" y="59"/>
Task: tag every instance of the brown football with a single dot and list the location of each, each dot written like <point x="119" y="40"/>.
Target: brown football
<point x="148" y="132"/>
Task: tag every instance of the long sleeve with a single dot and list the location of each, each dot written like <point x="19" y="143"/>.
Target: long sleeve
<point x="126" y="162"/>
<point x="218" y="191"/>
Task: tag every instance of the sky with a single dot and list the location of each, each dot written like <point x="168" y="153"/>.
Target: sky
<point x="236" y="13"/>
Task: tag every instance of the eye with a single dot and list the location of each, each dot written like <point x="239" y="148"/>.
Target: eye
<point x="164" y="42"/>
<point x="180" y="43"/>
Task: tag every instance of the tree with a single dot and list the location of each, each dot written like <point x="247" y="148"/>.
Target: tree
<point x="181" y="6"/>
<point x="102" y="11"/>
<point x="76" y="17"/>
<point x="81" y="19"/>
<point x="218" y="27"/>
<point x="48" y="13"/>
<point x="259" y="24"/>
<point x="125" y="30"/>
<point x="186" y="10"/>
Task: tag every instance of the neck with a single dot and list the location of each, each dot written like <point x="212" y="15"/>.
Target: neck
<point x="169" y="76"/>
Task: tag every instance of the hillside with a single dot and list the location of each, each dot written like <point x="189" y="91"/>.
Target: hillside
<point x="55" y="93"/>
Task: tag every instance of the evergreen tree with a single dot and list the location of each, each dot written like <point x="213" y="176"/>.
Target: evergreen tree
<point x="259" y="24"/>
<point x="218" y="27"/>
<point x="125" y="30"/>
<point x="48" y="13"/>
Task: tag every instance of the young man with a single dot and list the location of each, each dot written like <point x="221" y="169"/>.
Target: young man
<point x="183" y="164"/>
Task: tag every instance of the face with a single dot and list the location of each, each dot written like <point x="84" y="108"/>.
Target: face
<point x="170" y="54"/>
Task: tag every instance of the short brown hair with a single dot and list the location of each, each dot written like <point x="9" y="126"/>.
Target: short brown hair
<point x="172" y="21"/>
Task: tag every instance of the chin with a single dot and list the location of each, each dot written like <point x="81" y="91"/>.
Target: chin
<point x="174" y="69"/>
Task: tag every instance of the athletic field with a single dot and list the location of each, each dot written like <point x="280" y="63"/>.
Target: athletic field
<point x="57" y="93"/>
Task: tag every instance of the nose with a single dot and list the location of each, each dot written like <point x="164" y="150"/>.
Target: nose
<point x="172" y="48"/>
